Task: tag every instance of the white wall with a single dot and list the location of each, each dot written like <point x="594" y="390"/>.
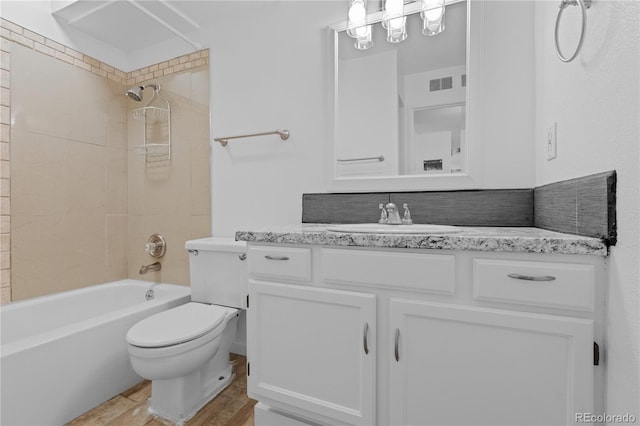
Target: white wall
<point x="268" y="71"/>
<point x="595" y="101"/>
<point x="367" y="120"/>
<point x="508" y="94"/>
<point x="36" y="16"/>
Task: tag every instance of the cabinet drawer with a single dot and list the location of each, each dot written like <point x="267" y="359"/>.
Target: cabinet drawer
<point x="410" y="271"/>
<point x="280" y="262"/>
<point x="555" y="285"/>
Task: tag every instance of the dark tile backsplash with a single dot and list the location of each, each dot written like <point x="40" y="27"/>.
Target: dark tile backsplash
<point x="342" y="208"/>
<point x="583" y="206"/>
<point x="498" y="207"/>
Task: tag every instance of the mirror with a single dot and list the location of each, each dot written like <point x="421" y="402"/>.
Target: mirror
<point x="401" y="110"/>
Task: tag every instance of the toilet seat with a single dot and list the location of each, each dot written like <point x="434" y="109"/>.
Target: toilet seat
<point x="177" y="325"/>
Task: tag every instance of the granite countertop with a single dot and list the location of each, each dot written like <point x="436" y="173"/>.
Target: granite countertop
<point x="520" y="240"/>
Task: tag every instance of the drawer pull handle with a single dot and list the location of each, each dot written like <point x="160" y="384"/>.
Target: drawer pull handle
<point x="532" y="277"/>
<point x="396" y="350"/>
<point x="364" y="338"/>
<point x="269" y="257"/>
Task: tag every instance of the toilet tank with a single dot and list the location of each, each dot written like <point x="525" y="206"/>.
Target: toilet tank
<point x="218" y="272"/>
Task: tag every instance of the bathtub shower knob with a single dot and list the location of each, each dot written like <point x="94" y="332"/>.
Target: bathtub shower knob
<point x="156" y="246"/>
<point x="149" y="247"/>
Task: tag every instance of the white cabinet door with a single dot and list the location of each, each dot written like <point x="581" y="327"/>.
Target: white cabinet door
<point x="313" y="348"/>
<point x="464" y="365"/>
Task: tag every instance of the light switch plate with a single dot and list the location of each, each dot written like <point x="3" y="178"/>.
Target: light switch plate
<point x="552" y="142"/>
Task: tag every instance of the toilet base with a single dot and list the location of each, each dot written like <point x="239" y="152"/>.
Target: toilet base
<point x="181" y="398"/>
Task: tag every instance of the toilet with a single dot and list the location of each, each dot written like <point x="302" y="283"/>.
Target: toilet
<point x="184" y="351"/>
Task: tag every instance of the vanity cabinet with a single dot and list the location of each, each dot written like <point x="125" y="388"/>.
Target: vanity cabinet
<point x="310" y="348"/>
<point x="423" y="337"/>
<point x="467" y="365"/>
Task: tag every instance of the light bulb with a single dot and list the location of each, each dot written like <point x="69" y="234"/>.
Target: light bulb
<point x="357" y="19"/>
<point x="396" y="23"/>
<point x="432" y="10"/>
<point x="433" y="16"/>
<point x="357" y="13"/>
<point x="362" y="31"/>
<point x="393" y="10"/>
<point x="363" y="39"/>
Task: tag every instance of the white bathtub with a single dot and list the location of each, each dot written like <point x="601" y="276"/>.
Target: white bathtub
<point x="63" y="354"/>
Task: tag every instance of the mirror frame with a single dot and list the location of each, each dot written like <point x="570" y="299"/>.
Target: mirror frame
<point x="471" y="178"/>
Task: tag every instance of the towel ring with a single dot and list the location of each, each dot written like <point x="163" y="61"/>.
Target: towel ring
<point x="584" y="5"/>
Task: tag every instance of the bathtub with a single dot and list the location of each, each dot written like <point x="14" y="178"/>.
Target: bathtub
<point x="63" y="354"/>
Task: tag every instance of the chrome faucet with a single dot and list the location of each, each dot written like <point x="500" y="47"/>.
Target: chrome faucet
<point x="406" y="219"/>
<point x="383" y="214"/>
<point x="393" y="216"/>
<point x="150" y="268"/>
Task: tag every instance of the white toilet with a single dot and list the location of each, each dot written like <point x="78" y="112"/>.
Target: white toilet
<point x="184" y="351"/>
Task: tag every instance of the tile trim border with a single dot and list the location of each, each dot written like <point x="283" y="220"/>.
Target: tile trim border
<point x="5" y="168"/>
<point x="32" y="40"/>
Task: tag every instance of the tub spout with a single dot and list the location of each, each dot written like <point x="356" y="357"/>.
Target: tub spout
<point x="149" y="268"/>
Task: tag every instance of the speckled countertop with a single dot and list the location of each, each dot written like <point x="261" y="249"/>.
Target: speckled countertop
<point x="521" y="240"/>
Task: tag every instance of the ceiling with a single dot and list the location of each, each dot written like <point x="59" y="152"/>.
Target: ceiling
<point x="132" y="25"/>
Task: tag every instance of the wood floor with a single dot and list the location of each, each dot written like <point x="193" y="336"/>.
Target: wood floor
<point x="231" y="407"/>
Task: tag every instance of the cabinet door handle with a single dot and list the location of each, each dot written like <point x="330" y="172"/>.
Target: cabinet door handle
<point x="364" y="338"/>
<point x="269" y="257"/>
<point x="532" y="277"/>
<point x="397" y="339"/>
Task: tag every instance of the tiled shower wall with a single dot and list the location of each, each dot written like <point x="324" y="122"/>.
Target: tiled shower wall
<point x="74" y="170"/>
<point x="173" y="197"/>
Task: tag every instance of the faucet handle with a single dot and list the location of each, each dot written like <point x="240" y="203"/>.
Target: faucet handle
<point x="406" y="219"/>
<point x="383" y="214"/>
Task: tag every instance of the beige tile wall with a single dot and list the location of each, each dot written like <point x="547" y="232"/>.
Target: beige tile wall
<point x="172" y="197"/>
<point x="68" y="156"/>
<point x="5" y="175"/>
<point x="82" y="201"/>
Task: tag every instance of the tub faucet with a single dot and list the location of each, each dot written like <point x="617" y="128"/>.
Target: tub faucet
<point x="150" y="268"/>
<point x="393" y="216"/>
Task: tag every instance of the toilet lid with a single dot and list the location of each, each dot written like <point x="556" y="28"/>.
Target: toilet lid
<point x="176" y="325"/>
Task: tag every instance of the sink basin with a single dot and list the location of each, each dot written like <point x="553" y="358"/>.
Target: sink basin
<point x="377" y="228"/>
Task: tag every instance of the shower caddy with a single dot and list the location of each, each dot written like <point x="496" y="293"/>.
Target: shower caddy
<point x="156" y="121"/>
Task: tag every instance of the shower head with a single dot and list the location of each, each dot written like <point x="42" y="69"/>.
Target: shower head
<point x="135" y="93"/>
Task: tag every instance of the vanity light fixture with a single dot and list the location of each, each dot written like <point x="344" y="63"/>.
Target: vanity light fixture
<point x="357" y="19"/>
<point x="394" y="20"/>
<point x="432" y="15"/>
